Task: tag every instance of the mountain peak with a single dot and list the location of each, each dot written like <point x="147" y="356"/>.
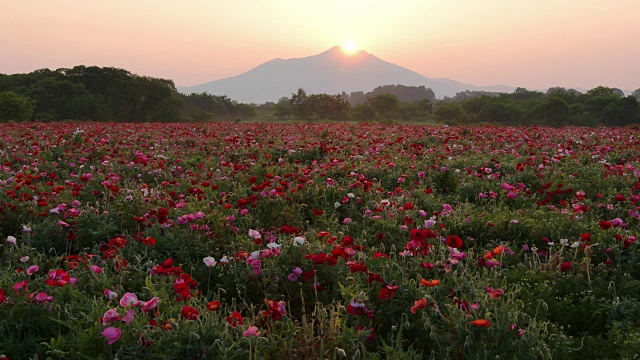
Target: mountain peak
<point x="330" y="72"/>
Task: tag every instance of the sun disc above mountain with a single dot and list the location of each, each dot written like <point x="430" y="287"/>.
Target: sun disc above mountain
<point x="349" y="46"/>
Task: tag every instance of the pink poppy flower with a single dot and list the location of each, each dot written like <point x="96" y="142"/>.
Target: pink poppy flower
<point x="129" y="299"/>
<point x="111" y="316"/>
<point x="128" y="318"/>
<point x="41" y="297"/>
<point x="112" y="334"/>
<point x="251" y="331"/>
<point x="209" y="261"/>
<point x="32" y="269"/>
<point x="110" y="294"/>
<point x="151" y="304"/>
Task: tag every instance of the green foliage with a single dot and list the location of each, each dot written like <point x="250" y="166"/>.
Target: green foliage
<point x="451" y="113"/>
<point x="410" y="94"/>
<point x="96" y="93"/>
<point x="363" y="112"/>
<point x="384" y="104"/>
<point x="15" y="107"/>
<point x="318" y="106"/>
<point x="207" y="107"/>
<point x="558" y="107"/>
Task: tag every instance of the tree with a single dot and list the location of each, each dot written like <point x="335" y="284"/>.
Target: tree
<point x="524" y="94"/>
<point x="357" y="98"/>
<point x="451" y="113"/>
<point x="417" y="110"/>
<point x="501" y="110"/>
<point x="363" y="112"/>
<point x="321" y="106"/>
<point x="299" y="105"/>
<point x="636" y="94"/>
<point x="600" y="102"/>
<point x="384" y="104"/>
<point x="623" y="111"/>
<point x="282" y="109"/>
<point x="404" y="93"/>
<point x="553" y="111"/>
<point x="15" y="107"/>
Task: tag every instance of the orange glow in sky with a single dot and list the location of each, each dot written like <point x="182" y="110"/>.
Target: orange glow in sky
<point x="538" y="44"/>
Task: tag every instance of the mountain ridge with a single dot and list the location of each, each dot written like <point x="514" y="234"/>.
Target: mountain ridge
<point x="332" y="72"/>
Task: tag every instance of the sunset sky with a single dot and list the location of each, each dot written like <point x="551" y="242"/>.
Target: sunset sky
<point x="537" y="44"/>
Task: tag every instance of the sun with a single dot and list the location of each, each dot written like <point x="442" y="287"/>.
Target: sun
<point x="349" y="46"/>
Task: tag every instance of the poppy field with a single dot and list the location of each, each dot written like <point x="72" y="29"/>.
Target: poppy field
<point x="318" y="241"/>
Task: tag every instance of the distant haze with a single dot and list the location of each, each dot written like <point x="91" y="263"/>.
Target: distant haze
<point x="536" y="44"/>
<point x="330" y="72"/>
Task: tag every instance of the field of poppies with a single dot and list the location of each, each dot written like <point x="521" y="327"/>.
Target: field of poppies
<point x="318" y="241"/>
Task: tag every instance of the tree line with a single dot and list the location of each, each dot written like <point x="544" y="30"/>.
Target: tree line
<point x="112" y="94"/>
<point x="601" y="106"/>
<point x="389" y="102"/>
<point x="104" y="94"/>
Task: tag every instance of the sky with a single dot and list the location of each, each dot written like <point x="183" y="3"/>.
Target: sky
<point x="533" y="44"/>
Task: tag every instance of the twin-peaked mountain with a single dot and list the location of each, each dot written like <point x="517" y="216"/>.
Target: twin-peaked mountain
<point x="330" y="72"/>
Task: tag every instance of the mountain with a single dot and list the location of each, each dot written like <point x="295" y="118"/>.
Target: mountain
<point x="330" y="72"/>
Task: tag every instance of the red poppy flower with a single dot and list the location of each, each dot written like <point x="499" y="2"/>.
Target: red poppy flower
<point x="379" y="255"/>
<point x="373" y="277"/>
<point x="189" y="313"/>
<point x="213" y="306"/>
<point x="605" y="225"/>
<point x="235" y="319"/>
<point x="566" y="266"/>
<point x="387" y="291"/>
<point x="419" y="305"/>
<point x="454" y="242"/>
<point x="429" y="283"/>
<point x="148" y="240"/>
<point x="58" y="278"/>
<point x="358" y="267"/>
<point x="481" y="323"/>
<point x="118" y="241"/>
<point x="620" y="198"/>
<point x="494" y="293"/>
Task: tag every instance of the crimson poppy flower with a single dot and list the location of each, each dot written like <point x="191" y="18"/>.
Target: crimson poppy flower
<point x="454" y="241"/>
<point x="371" y="277"/>
<point x="358" y="267"/>
<point x="387" y="291"/>
<point x="118" y="241"/>
<point x="148" y="240"/>
<point x="620" y="198"/>
<point x="213" y="306"/>
<point x="605" y="225"/>
<point x="235" y="319"/>
<point x="58" y="278"/>
<point x="566" y="266"/>
<point x="189" y="313"/>
<point x="276" y="309"/>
